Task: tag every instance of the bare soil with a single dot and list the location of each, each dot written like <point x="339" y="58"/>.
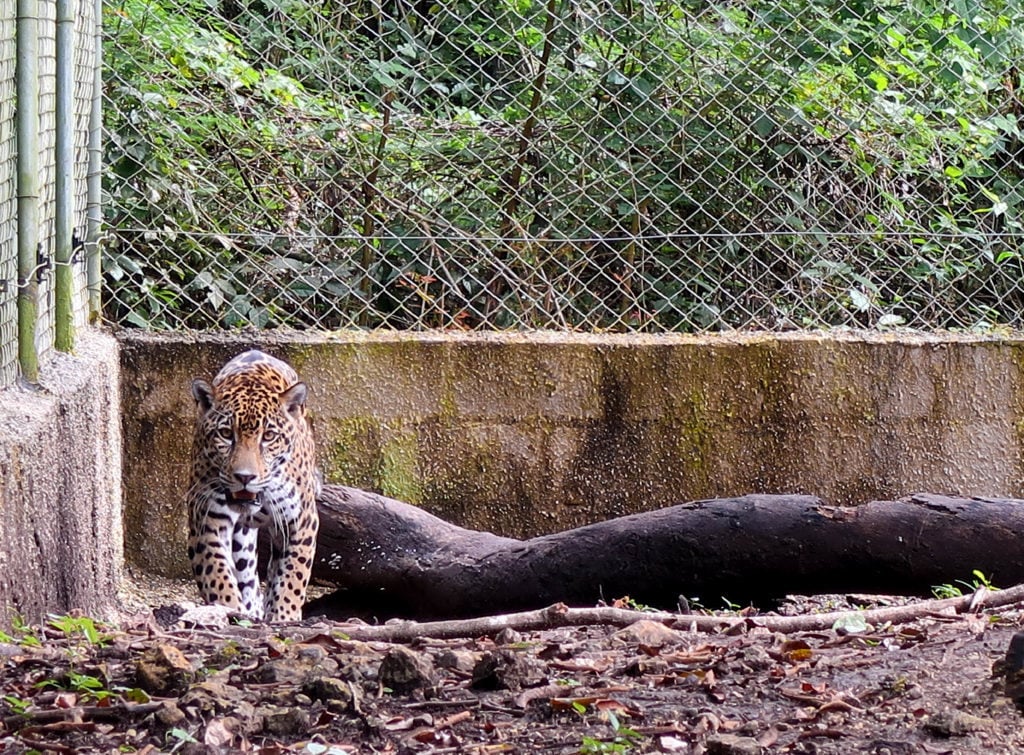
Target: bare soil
<point x="154" y="683"/>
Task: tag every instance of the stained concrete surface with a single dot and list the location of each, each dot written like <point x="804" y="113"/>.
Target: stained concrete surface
<point x="522" y="434"/>
<point x="61" y="538"/>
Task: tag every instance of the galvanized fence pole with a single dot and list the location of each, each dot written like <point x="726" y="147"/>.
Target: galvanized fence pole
<point x="27" y="87"/>
<point x="64" y="336"/>
<point x="94" y="209"/>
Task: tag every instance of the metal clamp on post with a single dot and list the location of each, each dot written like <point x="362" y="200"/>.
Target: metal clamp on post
<point x="77" y="248"/>
<point x="43" y="264"/>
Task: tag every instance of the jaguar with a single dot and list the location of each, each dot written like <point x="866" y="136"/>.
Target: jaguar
<point x="253" y="467"/>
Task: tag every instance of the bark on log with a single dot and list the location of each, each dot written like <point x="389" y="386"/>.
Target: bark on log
<point x="390" y="559"/>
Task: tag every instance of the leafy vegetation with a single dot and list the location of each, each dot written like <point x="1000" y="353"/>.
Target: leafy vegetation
<point x="83" y="627"/>
<point x="564" y="163"/>
<point x="89" y="687"/>
<point x="23" y="633"/>
<point x="80" y="677"/>
<point x="950" y="590"/>
<point x="623" y="739"/>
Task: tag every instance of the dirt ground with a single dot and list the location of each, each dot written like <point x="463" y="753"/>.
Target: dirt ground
<point x="163" y="682"/>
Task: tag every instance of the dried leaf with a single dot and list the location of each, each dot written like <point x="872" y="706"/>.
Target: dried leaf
<point x="672" y="744"/>
<point x="217" y="734"/>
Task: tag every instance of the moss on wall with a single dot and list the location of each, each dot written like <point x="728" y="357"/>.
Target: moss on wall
<point x="397" y="467"/>
<point x="350" y="448"/>
<point x="528" y="433"/>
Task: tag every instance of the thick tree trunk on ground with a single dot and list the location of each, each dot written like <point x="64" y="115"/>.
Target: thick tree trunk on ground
<point x="392" y="559"/>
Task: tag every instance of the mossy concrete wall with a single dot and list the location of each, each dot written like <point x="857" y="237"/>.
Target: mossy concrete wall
<point x="523" y="434"/>
<point x="60" y="488"/>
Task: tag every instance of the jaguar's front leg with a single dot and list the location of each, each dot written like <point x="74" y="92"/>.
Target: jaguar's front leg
<point x="243" y="551"/>
<point x="209" y="550"/>
<point x="289" y="569"/>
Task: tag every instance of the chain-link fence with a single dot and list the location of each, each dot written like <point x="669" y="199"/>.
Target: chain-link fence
<point x="8" y="198"/>
<point x="596" y="164"/>
<point x="83" y="55"/>
<point x="47" y="91"/>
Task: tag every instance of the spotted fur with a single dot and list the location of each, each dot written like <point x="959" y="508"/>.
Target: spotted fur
<point x="253" y="465"/>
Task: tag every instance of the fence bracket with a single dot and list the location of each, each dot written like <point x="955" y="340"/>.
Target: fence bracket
<point x="77" y="248"/>
<point x="43" y="264"/>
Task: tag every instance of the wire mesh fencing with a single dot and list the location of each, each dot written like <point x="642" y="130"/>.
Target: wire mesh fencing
<point x="82" y="55"/>
<point x="8" y="197"/>
<point x="585" y="164"/>
<point x="41" y="68"/>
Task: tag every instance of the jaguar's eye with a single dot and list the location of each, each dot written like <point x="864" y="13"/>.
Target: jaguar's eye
<point x="269" y="436"/>
<point x="225" y="433"/>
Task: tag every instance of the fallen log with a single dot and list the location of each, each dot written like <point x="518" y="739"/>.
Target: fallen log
<point x="391" y="559"/>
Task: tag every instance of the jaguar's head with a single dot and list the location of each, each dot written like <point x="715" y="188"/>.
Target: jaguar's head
<point x="248" y="422"/>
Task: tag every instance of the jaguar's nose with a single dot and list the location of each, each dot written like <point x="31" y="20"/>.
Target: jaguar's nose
<point x="245" y="478"/>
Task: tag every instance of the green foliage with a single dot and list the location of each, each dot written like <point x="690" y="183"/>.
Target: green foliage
<point x="180" y="738"/>
<point x="87" y="686"/>
<point x="23" y="633"/>
<point x="79" y="626"/>
<point x="17" y="704"/>
<point x="956" y="590"/>
<point x="622" y="740"/>
<point x="619" y="165"/>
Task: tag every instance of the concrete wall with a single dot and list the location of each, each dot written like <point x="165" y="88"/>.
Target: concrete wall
<point x="60" y="487"/>
<point x="522" y="434"/>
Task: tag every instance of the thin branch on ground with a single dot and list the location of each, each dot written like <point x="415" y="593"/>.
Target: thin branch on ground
<point x="80" y="712"/>
<point x="559" y="615"/>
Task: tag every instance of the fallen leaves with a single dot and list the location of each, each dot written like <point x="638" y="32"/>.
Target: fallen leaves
<point x="314" y="689"/>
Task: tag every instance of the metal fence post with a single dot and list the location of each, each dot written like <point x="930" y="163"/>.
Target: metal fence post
<point x="27" y="87"/>
<point x="64" y="209"/>
<point x="94" y="210"/>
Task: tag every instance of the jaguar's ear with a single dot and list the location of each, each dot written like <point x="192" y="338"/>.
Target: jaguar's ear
<point x="203" y="394"/>
<point x="294" y="399"/>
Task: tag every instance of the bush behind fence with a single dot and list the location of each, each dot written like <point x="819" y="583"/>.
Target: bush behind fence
<point x="594" y="164"/>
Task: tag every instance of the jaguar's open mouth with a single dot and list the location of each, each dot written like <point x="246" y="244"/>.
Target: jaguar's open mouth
<point x="242" y="496"/>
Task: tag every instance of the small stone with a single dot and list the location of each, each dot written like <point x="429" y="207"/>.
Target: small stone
<point x="326" y="689"/>
<point x="211" y="697"/>
<point x="504" y="669"/>
<point x="310" y="655"/>
<point x="955" y="723"/>
<point x="403" y="670"/>
<point x="198" y="748"/>
<point x="286" y="722"/>
<point x="457" y="660"/>
<point x="296" y="665"/>
<point x="507" y="636"/>
<point x="170" y="715"/>
<point x="754" y="658"/>
<point x="644" y="665"/>
<point x="163" y="671"/>
<point x="731" y="744"/>
<point x="651" y="633"/>
<point x="1012" y="669"/>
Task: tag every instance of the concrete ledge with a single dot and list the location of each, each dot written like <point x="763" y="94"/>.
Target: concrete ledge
<point x="60" y="488"/>
<point x="527" y="433"/>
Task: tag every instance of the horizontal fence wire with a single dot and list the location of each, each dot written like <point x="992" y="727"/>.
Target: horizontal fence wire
<point x="623" y="165"/>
